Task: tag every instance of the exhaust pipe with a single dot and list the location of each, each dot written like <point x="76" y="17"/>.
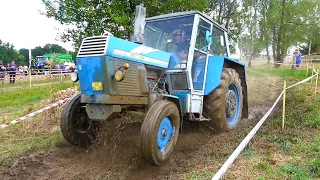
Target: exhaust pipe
<point x="139" y="23"/>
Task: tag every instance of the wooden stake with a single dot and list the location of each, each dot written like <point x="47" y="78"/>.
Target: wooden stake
<point x="75" y="89"/>
<point x="61" y="76"/>
<point x="307" y="70"/>
<point x="315" y="90"/>
<point x="284" y="104"/>
<point x="312" y="72"/>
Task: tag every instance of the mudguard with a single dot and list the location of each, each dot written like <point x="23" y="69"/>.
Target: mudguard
<point x="213" y="77"/>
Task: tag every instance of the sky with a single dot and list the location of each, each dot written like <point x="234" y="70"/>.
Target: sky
<point x="22" y="25"/>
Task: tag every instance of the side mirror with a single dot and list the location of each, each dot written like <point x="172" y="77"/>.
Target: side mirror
<point x="208" y="37"/>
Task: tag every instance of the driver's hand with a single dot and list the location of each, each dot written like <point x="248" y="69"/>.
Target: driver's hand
<point x="183" y="55"/>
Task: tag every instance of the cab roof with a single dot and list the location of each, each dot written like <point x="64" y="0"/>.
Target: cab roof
<point x="182" y="14"/>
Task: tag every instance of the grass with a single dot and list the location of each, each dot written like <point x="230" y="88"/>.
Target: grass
<point x="300" y="139"/>
<point x="39" y="131"/>
<point x="14" y="104"/>
<point x="194" y="175"/>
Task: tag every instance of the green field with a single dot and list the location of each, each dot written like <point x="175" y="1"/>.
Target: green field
<point x="18" y="100"/>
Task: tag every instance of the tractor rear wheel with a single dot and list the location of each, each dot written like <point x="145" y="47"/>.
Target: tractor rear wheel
<point x="76" y="126"/>
<point x="159" y="132"/>
<point x="224" y="105"/>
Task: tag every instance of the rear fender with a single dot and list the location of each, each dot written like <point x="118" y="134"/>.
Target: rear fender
<point x="213" y="77"/>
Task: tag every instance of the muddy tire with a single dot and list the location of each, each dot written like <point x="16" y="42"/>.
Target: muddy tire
<point x="159" y="132"/>
<point x="223" y="106"/>
<point x="76" y="126"/>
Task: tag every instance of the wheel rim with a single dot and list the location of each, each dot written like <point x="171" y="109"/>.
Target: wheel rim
<point x="232" y="104"/>
<point x="164" y="134"/>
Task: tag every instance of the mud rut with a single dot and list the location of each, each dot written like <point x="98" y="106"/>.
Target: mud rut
<point x="117" y="155"/>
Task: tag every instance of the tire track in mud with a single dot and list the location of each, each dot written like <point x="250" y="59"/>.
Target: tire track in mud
<point x="116" y="155"/>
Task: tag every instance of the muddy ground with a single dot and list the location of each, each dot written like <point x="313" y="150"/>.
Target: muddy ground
<point x="117" y="154"/>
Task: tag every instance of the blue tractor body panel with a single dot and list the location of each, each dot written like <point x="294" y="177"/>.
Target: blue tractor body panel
<point x="183" y="95"/>
<point x="91" y="71"/>
<point x="131" y="51"/>
<point x="215" y="67"/>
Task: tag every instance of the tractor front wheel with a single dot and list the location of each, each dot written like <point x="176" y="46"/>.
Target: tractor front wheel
<point x="159" y="132"/>
<point x="224" y="105"/>
<point x="76" y="126"/>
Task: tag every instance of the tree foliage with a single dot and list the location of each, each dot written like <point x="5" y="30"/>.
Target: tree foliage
<point x="91" y="18"/>
<point x="279" y="24"/>
<point x="8" y="53"/>
<point x="269" y="26"/>
<point x="42" y="50"/>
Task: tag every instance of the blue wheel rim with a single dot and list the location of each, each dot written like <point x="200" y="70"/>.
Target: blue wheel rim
<point x="164" y="133"/>
<point x="234" y="96"/>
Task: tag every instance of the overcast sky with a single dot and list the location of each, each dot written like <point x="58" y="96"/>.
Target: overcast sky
<point x="22" y="25"/>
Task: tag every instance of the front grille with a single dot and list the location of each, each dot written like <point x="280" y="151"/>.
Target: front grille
<point x="93" y="46"/>
<point x="130" y="85"/>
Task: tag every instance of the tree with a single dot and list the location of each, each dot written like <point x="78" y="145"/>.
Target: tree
<point x="8" y="53"/>
<point x="279" y="24"/>
<point x="42" y="50"/>
<point x="289" y="22"/>
<point x="91" y="18"/>
<point x="227" y="13"/>
<point x="25" y="53"/>
<point x="54" y="48"/>
<point x="251" y="40"/>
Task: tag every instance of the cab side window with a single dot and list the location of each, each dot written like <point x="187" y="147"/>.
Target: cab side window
<point x="218" y="42"/>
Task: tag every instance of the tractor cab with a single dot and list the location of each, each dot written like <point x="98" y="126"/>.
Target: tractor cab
<point x="191" y="38"/>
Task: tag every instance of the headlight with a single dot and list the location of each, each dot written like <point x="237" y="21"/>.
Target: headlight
<point x="183" y="64"/>
<point x="118" y="75"/>
<point x="74" y="77"/>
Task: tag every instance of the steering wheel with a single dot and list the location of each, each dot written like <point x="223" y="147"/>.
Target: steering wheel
<point x="176" y="45"/>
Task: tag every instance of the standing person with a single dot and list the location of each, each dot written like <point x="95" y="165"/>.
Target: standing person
<point x="2" y="71"/>
<point x="12" y="71"/>
<point x="298" y="58"/>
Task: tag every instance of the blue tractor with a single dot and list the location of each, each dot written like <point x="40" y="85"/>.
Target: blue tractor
<point x="179" y="69"/>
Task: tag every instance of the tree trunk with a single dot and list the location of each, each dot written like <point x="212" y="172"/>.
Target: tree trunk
<point x="268" y="55"/>
<point x="279" y="49"/>
<point x="274" y="41"/>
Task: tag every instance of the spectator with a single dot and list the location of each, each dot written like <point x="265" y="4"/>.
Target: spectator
<point x="2" y="72"/>
<point x="298" y="58"/>
<point x="25" y="69"/>
<point x="12" y="71"/>
<point x="62" y="66"/>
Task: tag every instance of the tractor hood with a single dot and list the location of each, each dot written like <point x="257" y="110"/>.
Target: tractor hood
<point x="123" y="49"/>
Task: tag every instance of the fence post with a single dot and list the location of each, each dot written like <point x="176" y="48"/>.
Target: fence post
<point x="61" y="75"/>
<point x="75" y="89"/>
<point x="315" y="90"/>
<point x="312" y="72"/>
<point x="284" y="104"/>
<point x="307" y="69"/>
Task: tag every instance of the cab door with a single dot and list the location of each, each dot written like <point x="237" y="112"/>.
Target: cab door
<point x="199" y="59"/>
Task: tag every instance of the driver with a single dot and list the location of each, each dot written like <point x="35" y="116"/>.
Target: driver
<point x="182" y="44"/>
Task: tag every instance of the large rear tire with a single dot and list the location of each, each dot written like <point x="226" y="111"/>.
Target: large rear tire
<point x="76" y="126"/>
<point x="224" y="105"/>
<point x="159" y="132"/>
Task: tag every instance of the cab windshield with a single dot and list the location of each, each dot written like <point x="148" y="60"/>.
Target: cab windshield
<point x="169" y="35"/>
